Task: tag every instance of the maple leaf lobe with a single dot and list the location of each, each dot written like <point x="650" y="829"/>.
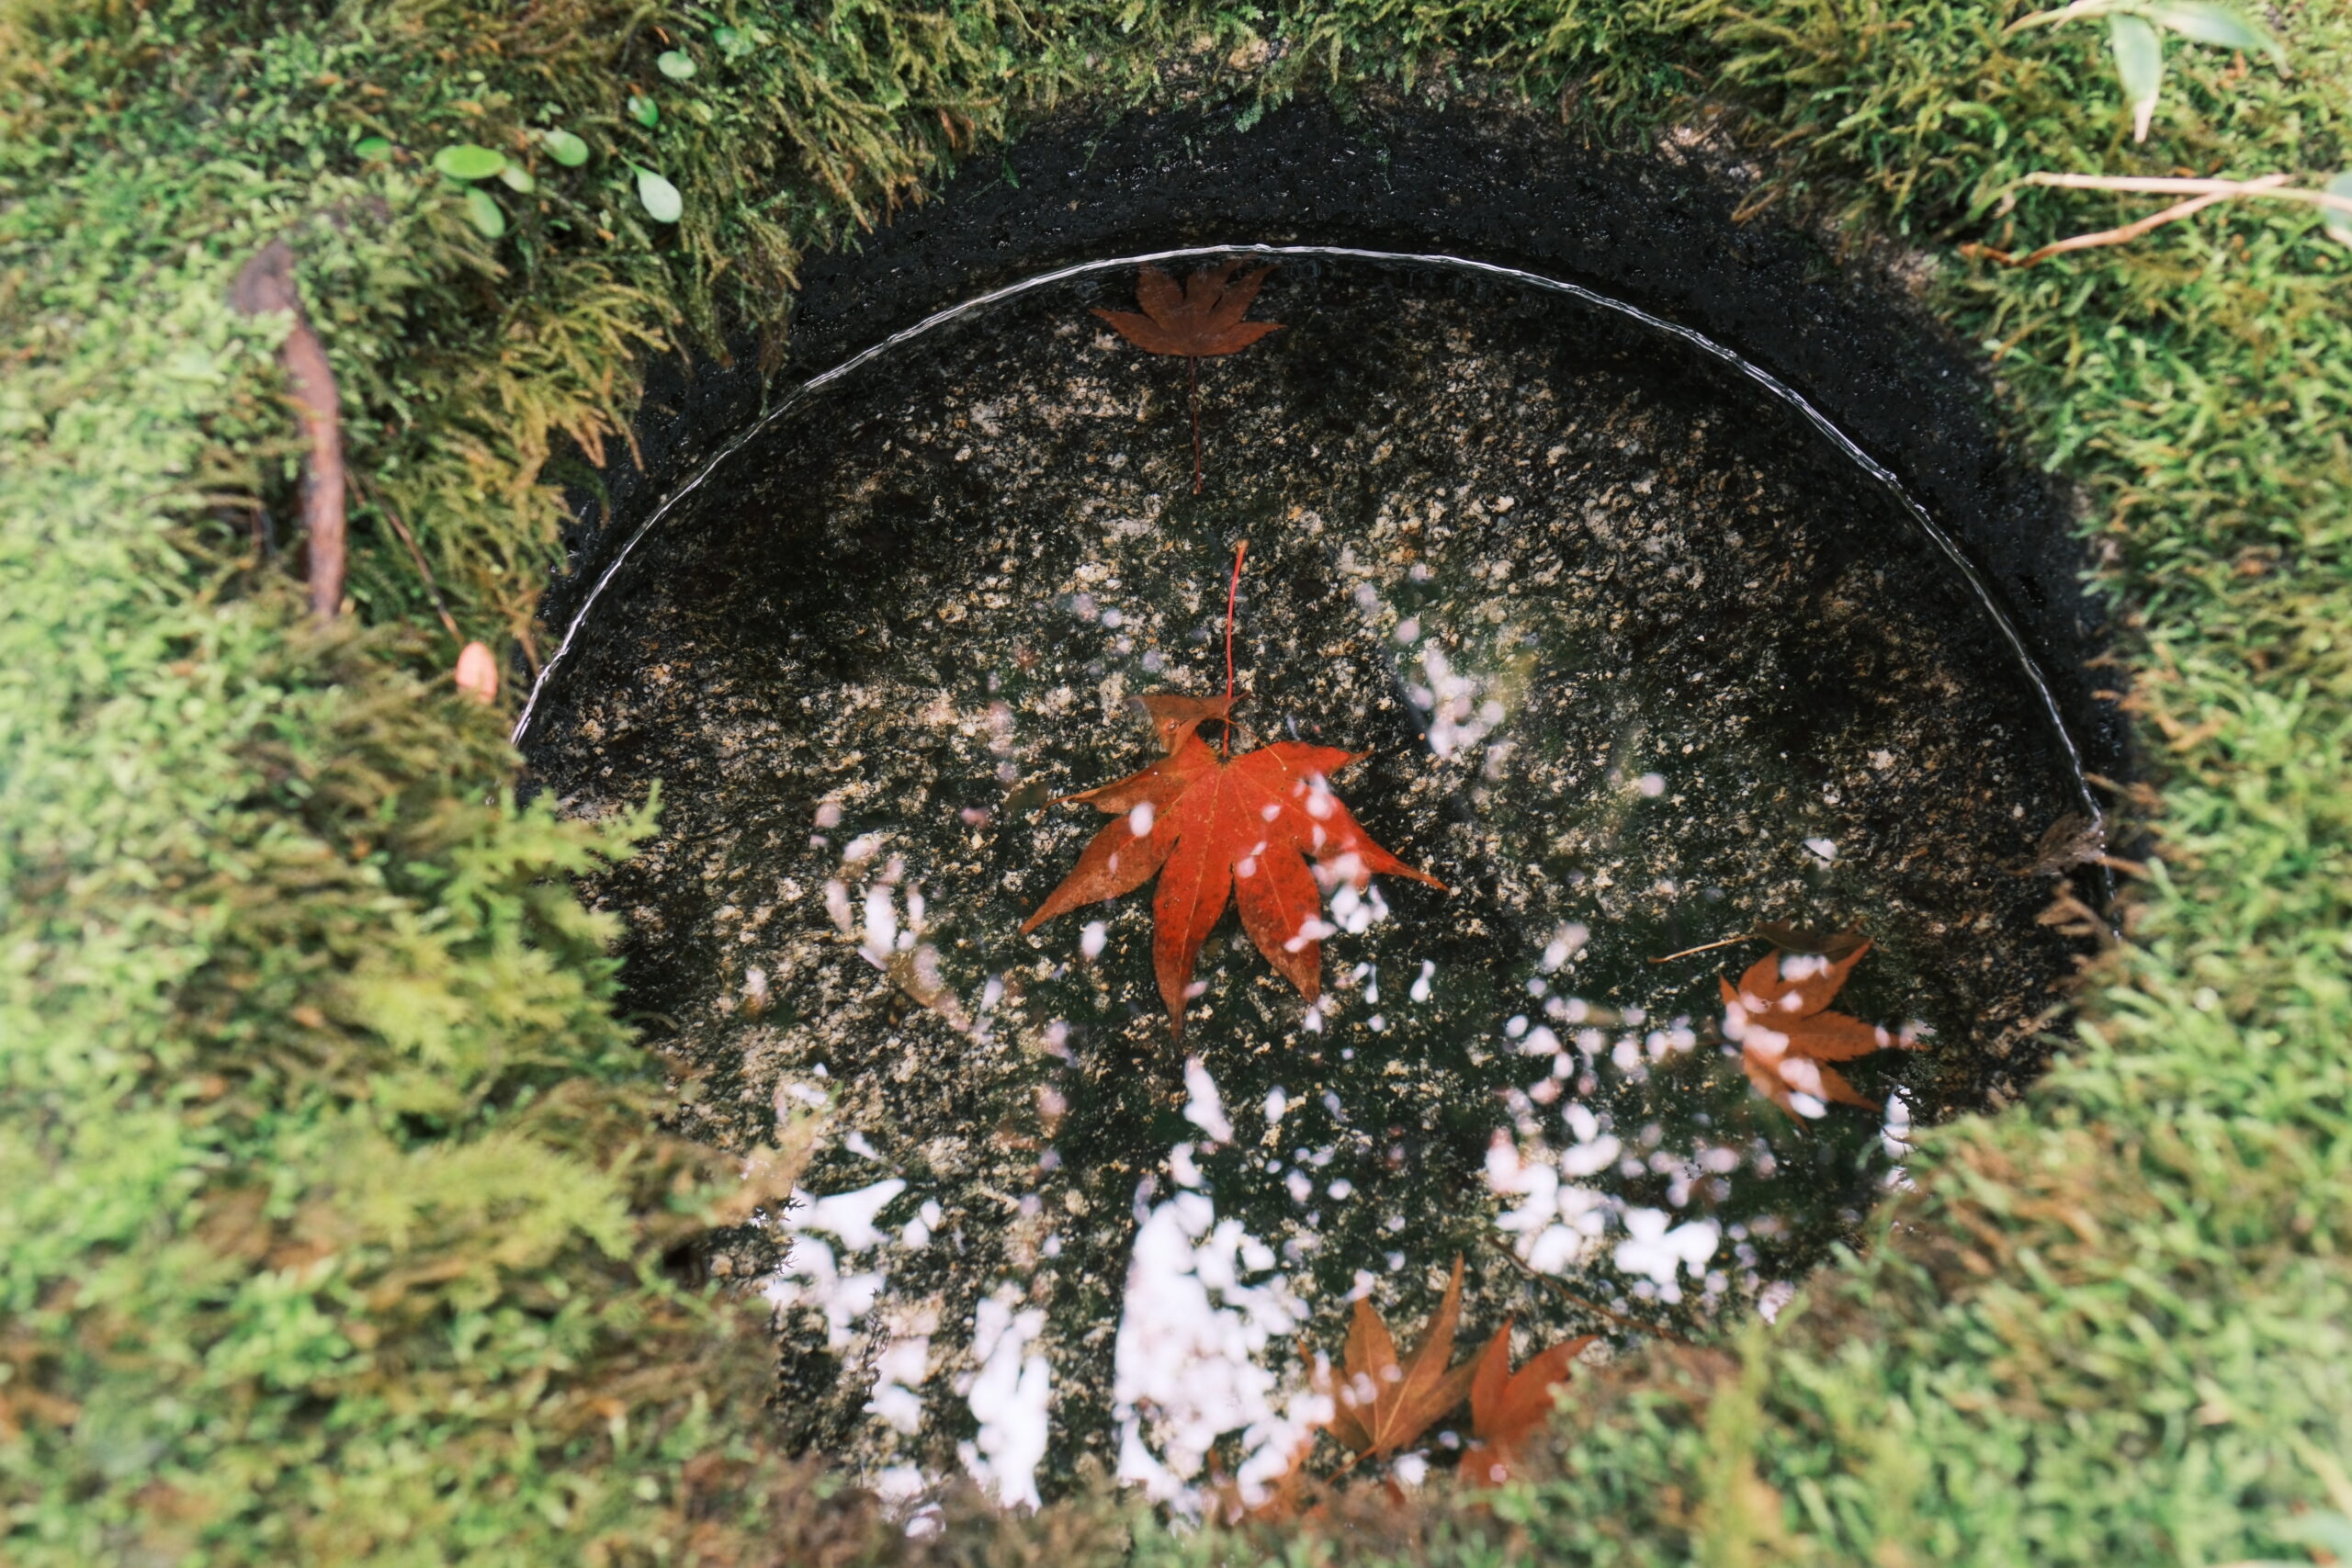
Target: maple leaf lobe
<point x="1200" y="319"/>
<point x="1218" y="831"/>
<point x="1384" y="1402"/>
<point x="1788" y="1038"/>
<point x="1507" y="1406"/>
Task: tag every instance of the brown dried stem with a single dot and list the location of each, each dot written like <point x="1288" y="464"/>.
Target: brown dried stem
<point x="2201" y="193"/>
<point x="264" y="284"/>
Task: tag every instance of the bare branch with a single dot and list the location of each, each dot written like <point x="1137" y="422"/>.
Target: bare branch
<point x="2203" y="193"/>
<point x="264" y="284"/>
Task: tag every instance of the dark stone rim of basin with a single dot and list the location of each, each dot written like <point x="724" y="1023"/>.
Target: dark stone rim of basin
<point x="1658" y="235"/>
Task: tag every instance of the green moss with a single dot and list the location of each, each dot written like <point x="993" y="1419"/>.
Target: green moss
<point x="334" y="1219"/>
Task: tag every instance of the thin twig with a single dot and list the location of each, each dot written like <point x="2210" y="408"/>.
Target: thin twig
<point x="2123" y="235"/>
<point x="1619" y="1319"/>
<point x="1732" y="941"/>
<point x="2206" y="194"/>
<point x="2170" y="185"/>
<point x="432" y="585"/>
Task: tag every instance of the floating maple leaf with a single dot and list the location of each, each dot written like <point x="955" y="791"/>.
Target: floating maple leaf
<point x="1790" y="937"/>
<point x="1382" y="1403"/>
<point x="1786" y="1038"/>
<point x="1200" y="319"/>
<point x="1507" y="1406"/>
<point x="1214" y="828"/>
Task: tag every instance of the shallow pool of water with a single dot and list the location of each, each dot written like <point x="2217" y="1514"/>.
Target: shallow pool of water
<point x="1638" y="660"/>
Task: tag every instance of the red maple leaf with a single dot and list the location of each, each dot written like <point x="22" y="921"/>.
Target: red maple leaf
<point x="1507" y="1406"/>
<point x="1200" y="321"/>
<point x="1213" y="828"/>
<point x="1786" y="1038"/>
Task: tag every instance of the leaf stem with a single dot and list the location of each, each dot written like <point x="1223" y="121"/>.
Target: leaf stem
<point x="1619" y="1319"/>
<point x="1232" y="596"/>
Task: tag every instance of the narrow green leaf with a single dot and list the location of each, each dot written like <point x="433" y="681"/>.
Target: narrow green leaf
<point x="2339" y="221"/>
<point x="467" y="162"/>
<point x="518" y="178"/>
<point x="645" y="110"/>
<point x="484" y="213"/>
<point x="2208" y="22"/>
<point x="372" y="148"/>
<point x="2139" y="63"/>
<point x="676" y="64"/>
<point x="564" y="148"/>
<point x="663" y="202"/>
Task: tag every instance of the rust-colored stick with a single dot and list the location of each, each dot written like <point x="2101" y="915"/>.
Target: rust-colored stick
<point x="2208" y="192"/>
<point x="1232" y="597"/>
<point x="266" y="284"/>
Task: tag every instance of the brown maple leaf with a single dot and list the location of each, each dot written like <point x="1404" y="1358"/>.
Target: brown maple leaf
<point x="1214" y="828"/>
<point x="1786" y="1038"/>
<point x="1200" y="321"/>
<point x="1507" y="1406"/>
<point x="1381" y="1402"/>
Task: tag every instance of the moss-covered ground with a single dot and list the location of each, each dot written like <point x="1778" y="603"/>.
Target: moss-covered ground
<point x="336" y="1226"/>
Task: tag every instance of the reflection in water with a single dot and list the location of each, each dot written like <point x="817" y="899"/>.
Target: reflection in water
<point x="1637" y="664"/>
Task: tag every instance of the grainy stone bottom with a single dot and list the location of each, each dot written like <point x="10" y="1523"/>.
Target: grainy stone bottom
<point x="1638" y="663"/>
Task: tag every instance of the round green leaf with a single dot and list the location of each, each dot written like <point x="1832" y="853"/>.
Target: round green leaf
<point x="372" y="148"/>
<point x="2140" y="65"/>
<point x="483" y="213"/>
<point x="468" y="162"/>
<point x="663" y="202"/>
<point x="518" y="178"/>
<point x="646" y="112"/>
<point x="565" y="148"/>
<point x="2339" y="221"/>
<point x="676" y="64"/>
<point x="729" y="42"/>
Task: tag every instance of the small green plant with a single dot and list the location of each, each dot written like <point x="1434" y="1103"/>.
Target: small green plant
<point x="2134" y="36"/>
<point x="658" y="197"/>
<point x="564" y="148"/>
<point x="2135" y="30"/>
<point x="466" y="162"/>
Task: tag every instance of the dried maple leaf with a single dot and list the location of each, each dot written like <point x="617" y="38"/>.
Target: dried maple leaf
<point x="1786" y="1038"/>
<point x="1199" y="320"/>
<point x="1382" y="1403"/>
<point x="1507" y="1406"/>
<point x="1214" y="828"/>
